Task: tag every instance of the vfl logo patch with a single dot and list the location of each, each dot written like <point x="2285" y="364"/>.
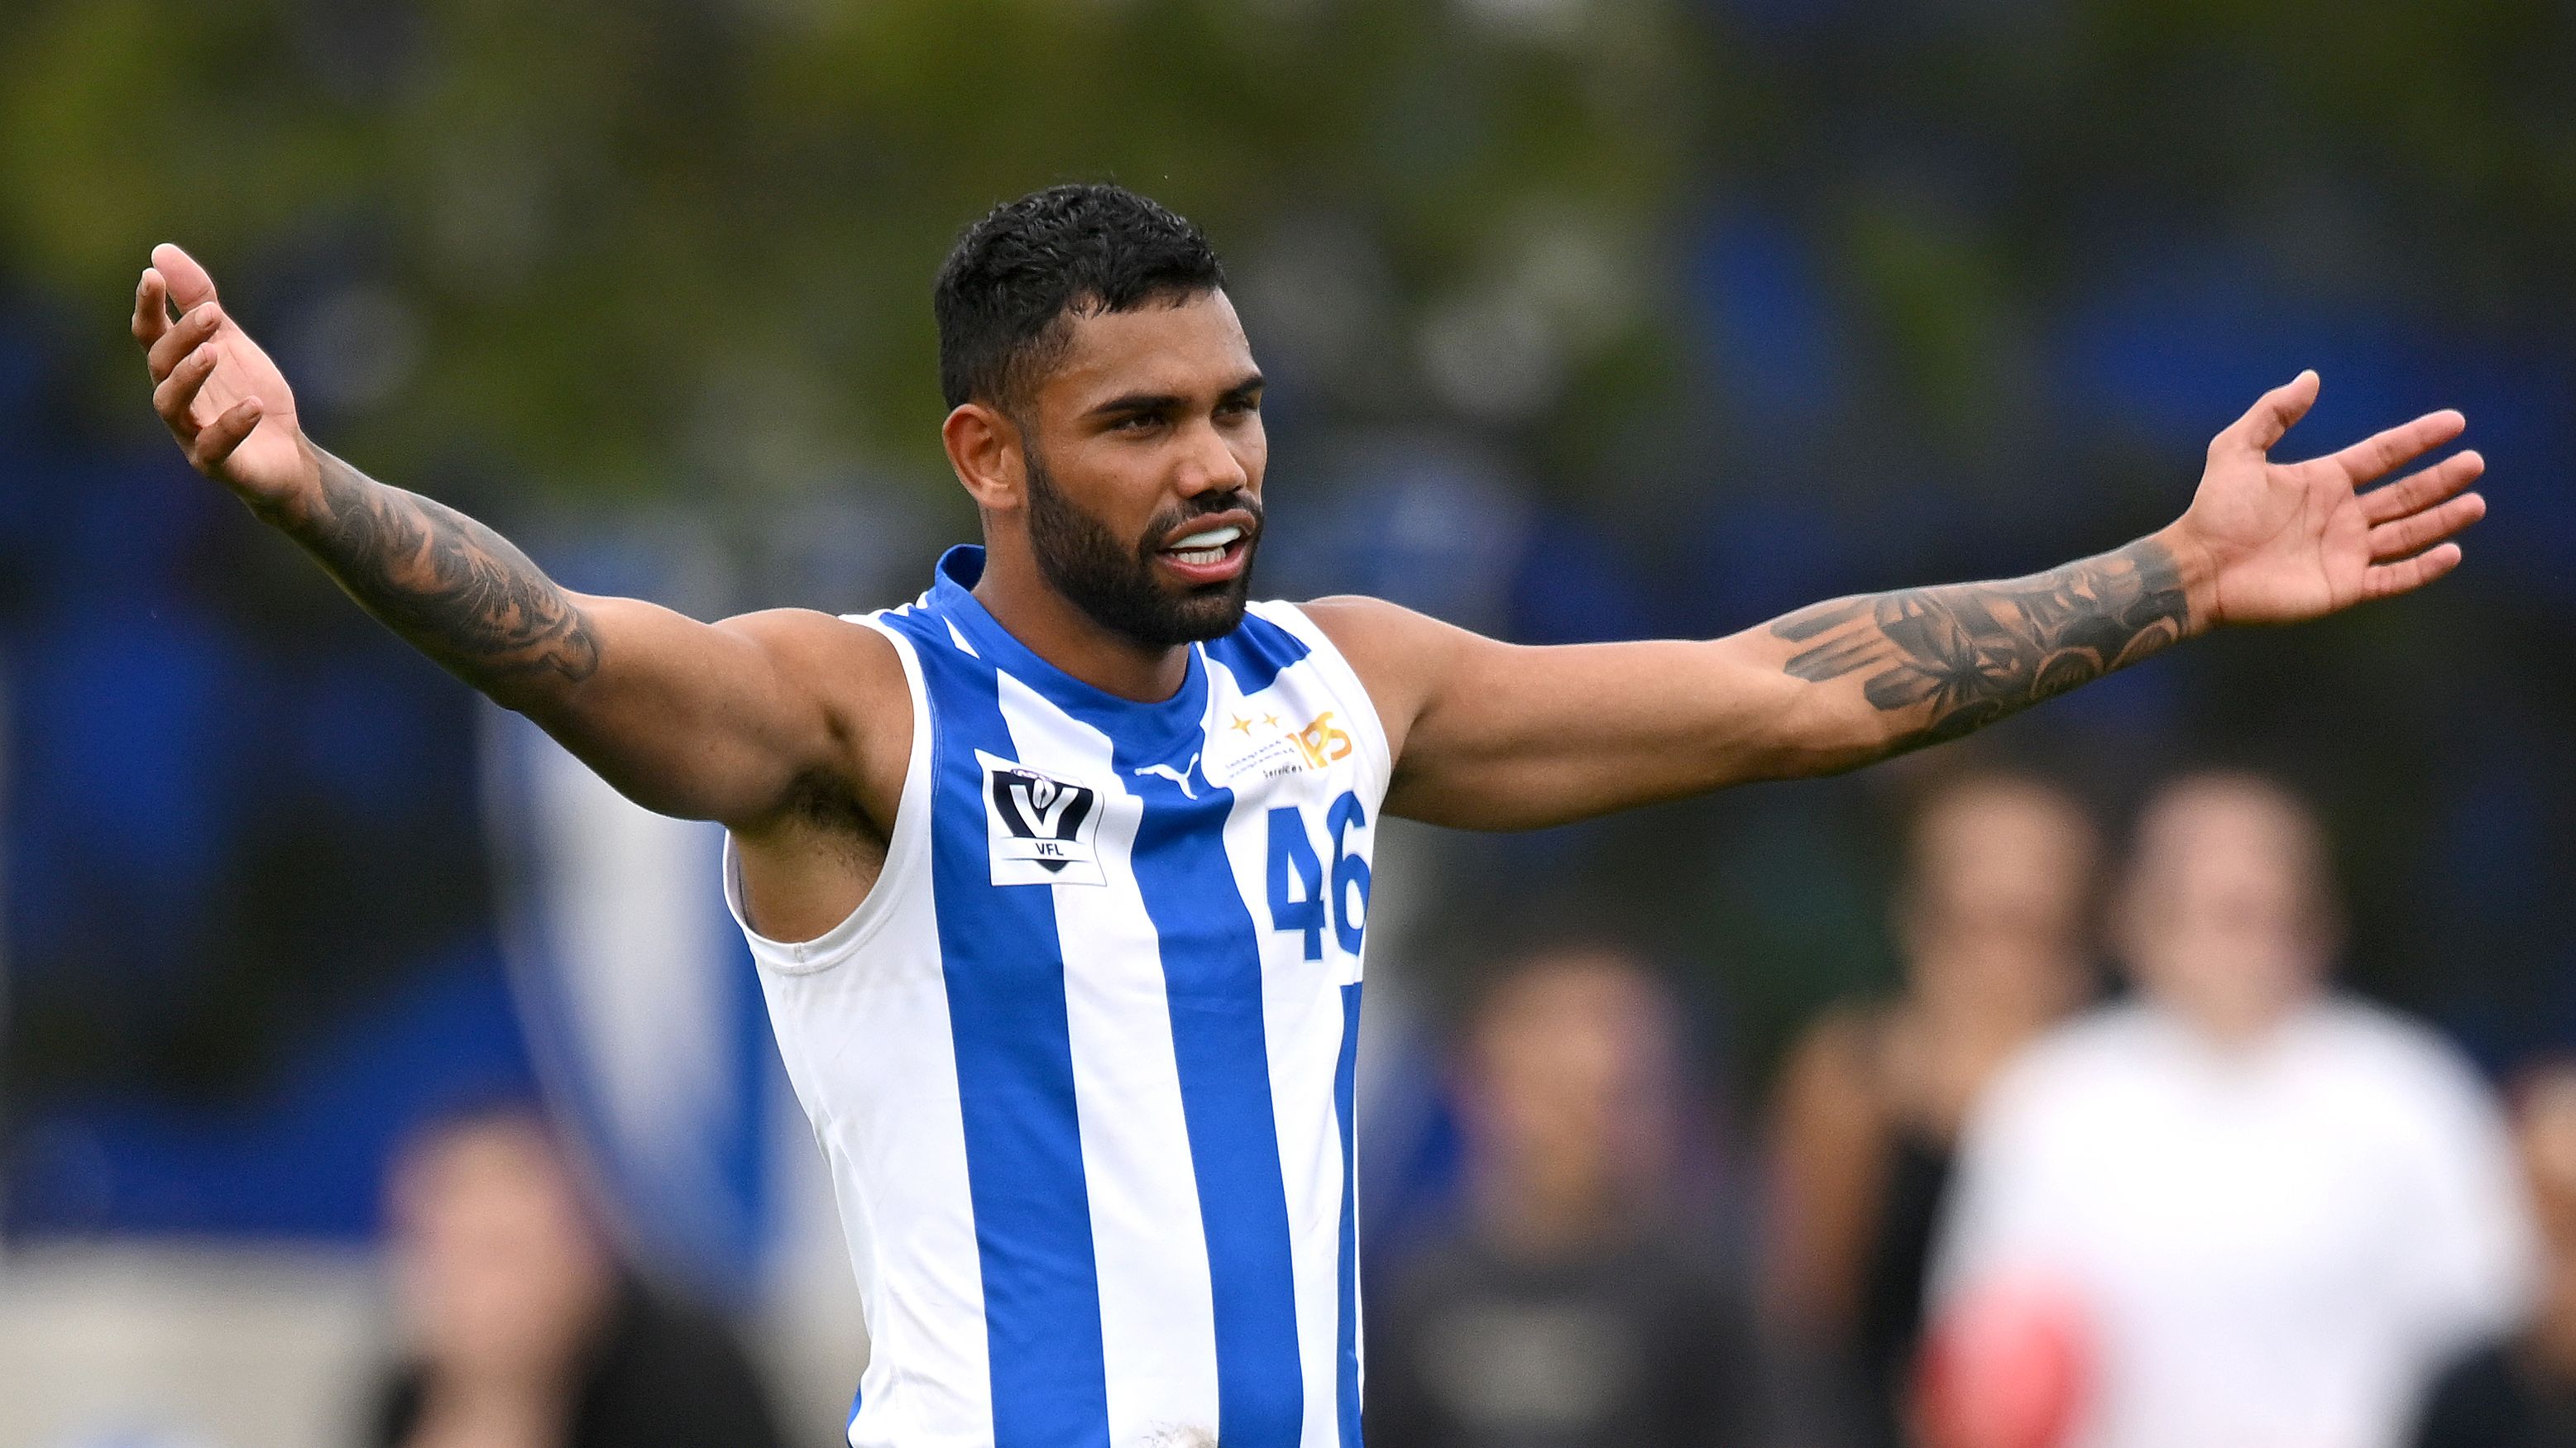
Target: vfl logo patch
<point x="1043" y="830"/>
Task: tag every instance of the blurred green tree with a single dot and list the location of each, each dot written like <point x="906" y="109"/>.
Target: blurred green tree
<point x="626" y="246"/>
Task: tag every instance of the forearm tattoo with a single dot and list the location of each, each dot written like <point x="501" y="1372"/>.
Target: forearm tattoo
<point x="455" y="589"/>
<point x="1968" y="654"/>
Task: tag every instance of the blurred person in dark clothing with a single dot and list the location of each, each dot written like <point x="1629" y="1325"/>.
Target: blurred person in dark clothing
<point x="523" y="1329"/>
<point x="2242" y="1210"/>
<point x="2521" y="1392"/>
<point x="1993" y="917"/>
<point x="1571" y="1308"/>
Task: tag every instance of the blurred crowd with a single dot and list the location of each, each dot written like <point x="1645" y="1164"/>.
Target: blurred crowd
<point x="2116" y="1164"/>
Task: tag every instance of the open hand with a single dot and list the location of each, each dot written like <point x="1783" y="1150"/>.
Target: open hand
<point x="224" y="400"/>
<point x="2280" y="542"/>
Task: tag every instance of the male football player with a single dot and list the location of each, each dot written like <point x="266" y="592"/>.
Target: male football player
<point x="1057" y="876"/>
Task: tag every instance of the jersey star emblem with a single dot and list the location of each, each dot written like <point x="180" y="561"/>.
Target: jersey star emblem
<point x="1272" y="720"/>
<point x="1241" y="725"/>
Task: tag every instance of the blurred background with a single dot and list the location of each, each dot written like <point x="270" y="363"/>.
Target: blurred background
<point x="1585" y="319"/>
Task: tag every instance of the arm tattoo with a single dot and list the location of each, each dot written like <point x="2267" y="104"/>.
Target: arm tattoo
<point x="453" y="588"/>
<point x="1976" y="652"/>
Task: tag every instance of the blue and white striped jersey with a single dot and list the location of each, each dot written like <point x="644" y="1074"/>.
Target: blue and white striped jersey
<point x="1082" y="1062"/>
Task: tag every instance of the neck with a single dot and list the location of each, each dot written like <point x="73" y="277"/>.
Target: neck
<point x="1539" y="1218"/>
<point x="1955" y="1030"/>
<point x="2232" y="1026"/>
<point x="1056" y="629"/>
<point x="490" y="1414"/>
<point x="1969" y="997"/>
<point x="2550" y="1341"/>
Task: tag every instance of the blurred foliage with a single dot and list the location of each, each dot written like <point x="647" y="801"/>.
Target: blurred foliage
<point x="688" y="242"/>
<point x="628" y="244"/>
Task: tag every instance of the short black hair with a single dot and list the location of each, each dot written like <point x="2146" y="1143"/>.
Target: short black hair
<point x="1012" y="278"/>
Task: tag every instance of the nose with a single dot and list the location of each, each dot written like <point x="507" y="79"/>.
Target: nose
<point x="1209" y="463"/>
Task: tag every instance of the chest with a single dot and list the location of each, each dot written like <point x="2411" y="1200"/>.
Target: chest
<point x="2272" y="1190"/>
<point x="1242" y="828"/>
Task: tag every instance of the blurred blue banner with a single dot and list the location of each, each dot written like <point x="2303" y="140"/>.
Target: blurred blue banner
<point x="640" y="1006"/>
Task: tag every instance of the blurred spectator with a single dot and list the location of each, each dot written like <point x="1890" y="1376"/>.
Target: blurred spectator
<point x="2239" y="1211"/>
<point x="525" y="1331"/>
<point x="2521" y="1392"/>
<point x="1992" y="918"/>
<point x="1571" y="1307"/>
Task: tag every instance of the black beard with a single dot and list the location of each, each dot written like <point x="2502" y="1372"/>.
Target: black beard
<point x="1116" y="584"/>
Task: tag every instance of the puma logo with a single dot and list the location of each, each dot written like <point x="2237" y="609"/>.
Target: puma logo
<point x="1180" y="776"/>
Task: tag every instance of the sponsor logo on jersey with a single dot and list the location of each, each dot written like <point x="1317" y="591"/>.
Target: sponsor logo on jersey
<point x="1266" y="746"/>
<point x="1322" y="741"/>
<point x="1044" y="830"/>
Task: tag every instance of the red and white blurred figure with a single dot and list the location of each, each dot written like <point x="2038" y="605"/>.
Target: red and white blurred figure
<point x="1994" y="917"/>
<point x="2268" y="1212"/>
<point x="2010" y="1365"/>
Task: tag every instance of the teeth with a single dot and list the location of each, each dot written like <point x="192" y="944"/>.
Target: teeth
<point x="1211" y="538"/>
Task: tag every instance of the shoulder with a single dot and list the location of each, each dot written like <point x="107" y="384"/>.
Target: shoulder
<point x="809" y="634"/>
<point x="851" y="682"/>
<point x="2102" y="1042"/>
<point x="1402" y="658"/>
<point x="1847" y="1038"/>
<point x="2062" y="1076"/>
<point x="2378" y="1037"/>
<point x="847" y="658"/>
<point x="2408" y="1069"/>
<point x="1372" y="628"/>
<point x="1838" y="1060"/>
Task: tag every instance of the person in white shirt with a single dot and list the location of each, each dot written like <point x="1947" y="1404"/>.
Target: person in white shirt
<point x="2268" y="1211"/>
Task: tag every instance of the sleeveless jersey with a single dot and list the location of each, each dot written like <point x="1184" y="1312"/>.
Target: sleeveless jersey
<point x="1081" y="1064"/>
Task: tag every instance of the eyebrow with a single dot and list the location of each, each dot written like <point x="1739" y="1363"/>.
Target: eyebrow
<point x="1126" y="404"/>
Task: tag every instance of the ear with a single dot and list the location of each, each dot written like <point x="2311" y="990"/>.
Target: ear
<point x="984" y="449"/>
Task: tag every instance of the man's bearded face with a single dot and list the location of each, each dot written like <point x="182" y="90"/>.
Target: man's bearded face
<point x="1117" y="583"/>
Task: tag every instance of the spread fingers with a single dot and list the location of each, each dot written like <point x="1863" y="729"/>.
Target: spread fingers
<point x="218" y="439"/>
<point x="151" y="307"/>
<point x="2422" y="489"/>
<point x="2416" y="532"/>
<point x="190" y="332"/>
<point x="177" y="393"/>
<point x="2408" y="574"/>
<point x="2382" y="453"/>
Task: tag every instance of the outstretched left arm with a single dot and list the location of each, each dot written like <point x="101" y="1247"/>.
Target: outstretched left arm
<point x="1494" y="736"/>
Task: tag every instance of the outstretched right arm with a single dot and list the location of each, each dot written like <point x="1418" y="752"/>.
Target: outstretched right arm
<point x="728" y="721"/>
